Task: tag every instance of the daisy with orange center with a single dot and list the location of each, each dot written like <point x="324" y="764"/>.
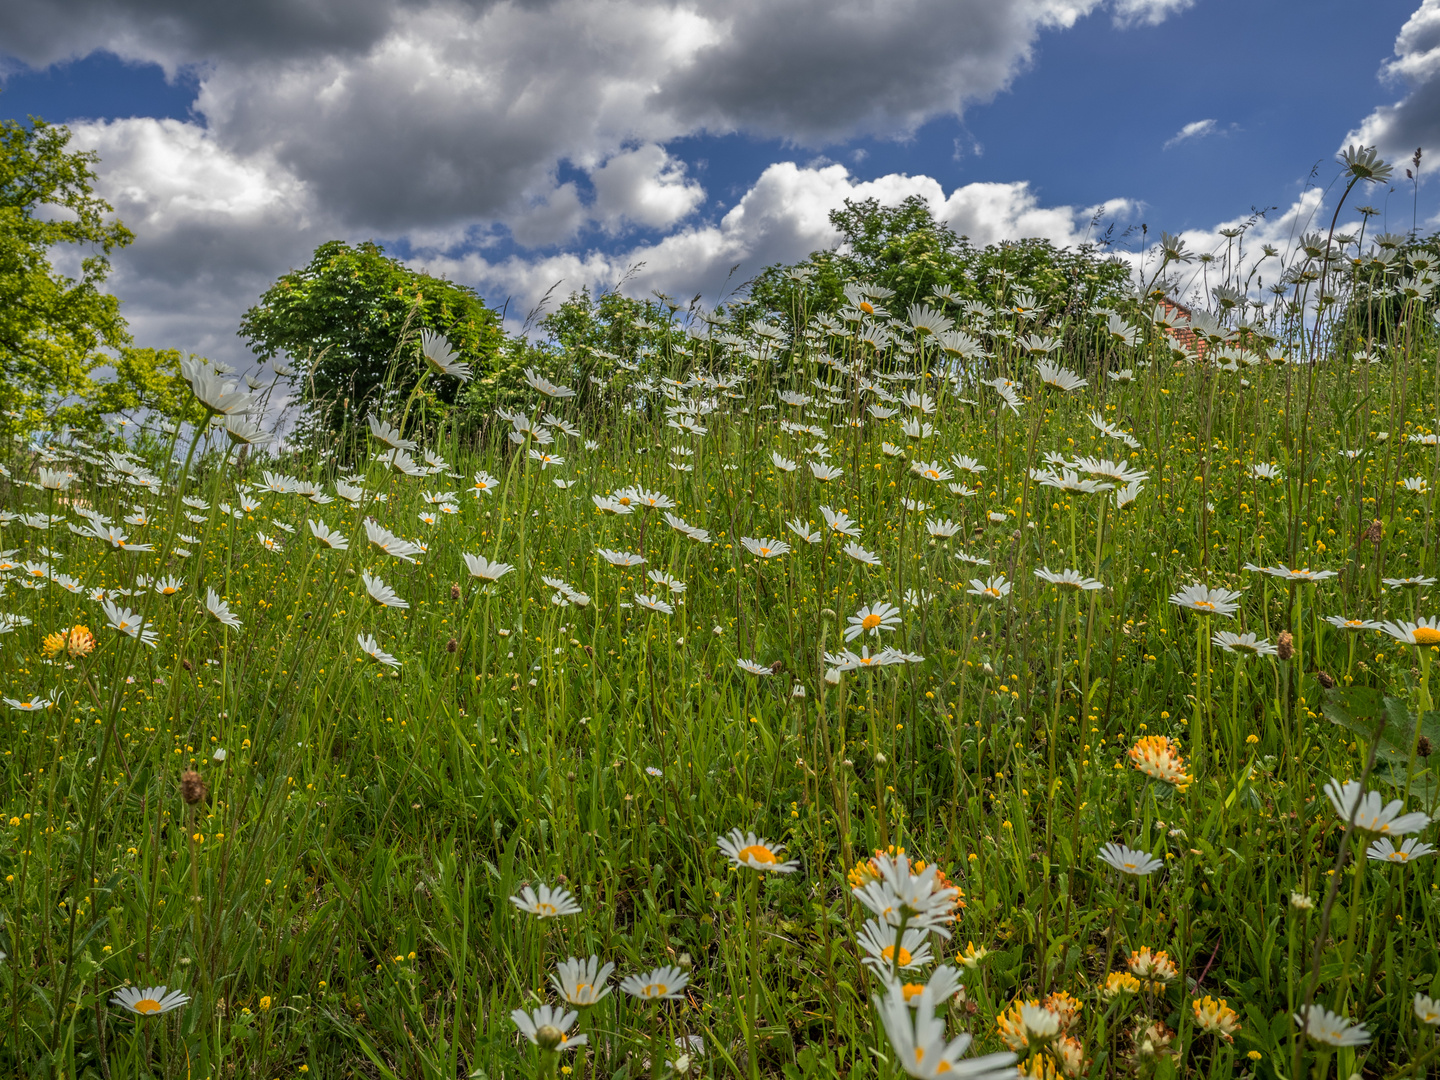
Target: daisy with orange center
<point x="747" y="849"/>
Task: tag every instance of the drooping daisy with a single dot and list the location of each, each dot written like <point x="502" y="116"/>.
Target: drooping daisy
<point x="802" y="530"/>
<point x="1072" y="580"/>
<point x="545" y="386"/>
<point x="380" y="593"/>
<point x="751" y="667"/>
<point x="582" y="982"/>
<point x="386" y="541"/>
<point x="546" y="903"/>
<point x="546" y="1027"/>
<point x="382" y="432"/>
<point x="484" y="569"/>
<point x="149" y="1001"/>
<point x="620" y="558"/>
<point x="861" y="554"/>
<point x="371" y="648"/>
<point x="747" y="849"/>
<point x="653" y="603"/>
<point x="840" y="522"/>
<point x="765" y="547"/>
<point x="1243" y="644"/>
<point x="441" y="357"/>
<point x="1059" y="378"/>
<point x="327" y="537"/>
<point x="219" y="610"/>
<point x="129" y="622"/>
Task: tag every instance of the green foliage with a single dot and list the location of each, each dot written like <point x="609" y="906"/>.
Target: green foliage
<point x="904" y="249"/>
<point x="352" y="313"/>
<point x="53" y="327"/>
<point x="144" y="380"/>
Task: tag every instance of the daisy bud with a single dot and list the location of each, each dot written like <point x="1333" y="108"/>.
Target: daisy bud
<point x="192" y="788"/>
<point x="1285" y="645"/>
<point x="880" y="759"/>
<point x="548" y="1037"/>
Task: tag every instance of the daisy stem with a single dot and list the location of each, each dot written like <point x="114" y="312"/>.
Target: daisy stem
<point x="1197" y="736"/>
<point x="1055" y="716"/>
<point x="752" y="995"/>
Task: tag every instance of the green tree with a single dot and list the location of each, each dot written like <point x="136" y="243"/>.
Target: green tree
<point x="350" y="313"/>
<point x="906" y="250"/>
<point x="144" y="380"/>
<point x="54" y="328"/>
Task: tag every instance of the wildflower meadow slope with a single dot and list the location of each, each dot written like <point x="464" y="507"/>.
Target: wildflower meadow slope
<point x="933" y="688"/>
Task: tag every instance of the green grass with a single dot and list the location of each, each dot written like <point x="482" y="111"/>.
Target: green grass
<point x="338" y="903"/>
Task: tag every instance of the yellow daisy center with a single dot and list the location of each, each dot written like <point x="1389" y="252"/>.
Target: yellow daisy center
<point x="871" y="621"/>
<point x="764" y="551"/>
<point x="867" y="307"/>
<point x="147" y="1006"/>
<point x="889" y="954"/>
<point x="1206" y="604"/>
<point x="545" y="909"/>
<point x="656" y="990"/>
<point x="1425" y="635"/>
<point x="912" y="990"/>
<point x="756" y="853"/>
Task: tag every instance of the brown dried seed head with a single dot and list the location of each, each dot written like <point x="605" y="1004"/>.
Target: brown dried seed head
<point x="451" y="645"/>
<point x="454" y="592"/>
<point x="1285" y="645"/>
<point x="1423" y="746"/>
<point x="192" y="788"/>
<point x="1325" y="679"/>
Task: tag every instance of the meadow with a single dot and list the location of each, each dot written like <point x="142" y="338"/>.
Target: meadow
<point x="938" y="688"/>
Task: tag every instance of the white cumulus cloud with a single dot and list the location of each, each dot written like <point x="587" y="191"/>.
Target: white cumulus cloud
<point x="1413" y="121"/>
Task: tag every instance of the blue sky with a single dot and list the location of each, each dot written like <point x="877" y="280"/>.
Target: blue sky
<point x="1032" y="116"/>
